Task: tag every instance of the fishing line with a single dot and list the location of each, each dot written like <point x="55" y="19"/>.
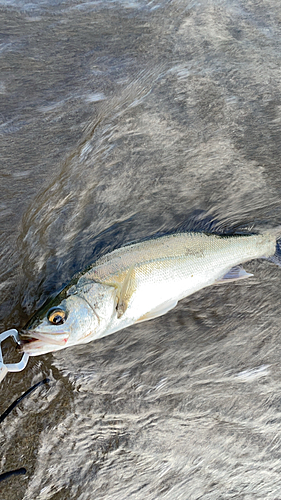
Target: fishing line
<point x="18" y="400"/>
<point x="16" y="472"/>
<point x="22" y="470"/>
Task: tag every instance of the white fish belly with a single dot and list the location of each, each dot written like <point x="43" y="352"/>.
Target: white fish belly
<point x="177" y="284"/>
<point x="178" y="266"/>
<point x="172" y="279"/>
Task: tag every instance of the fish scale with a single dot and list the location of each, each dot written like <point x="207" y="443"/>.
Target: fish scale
<point x="142" y="281"/>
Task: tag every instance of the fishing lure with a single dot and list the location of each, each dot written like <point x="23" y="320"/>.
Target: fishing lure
<point x="11" y="367"/>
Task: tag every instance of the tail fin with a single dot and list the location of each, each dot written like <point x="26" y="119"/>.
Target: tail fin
<point x="276" y="258"/>
<point x="276" y="232"/>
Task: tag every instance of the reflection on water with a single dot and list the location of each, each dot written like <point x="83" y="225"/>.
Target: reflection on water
<point x="121" y="120"/>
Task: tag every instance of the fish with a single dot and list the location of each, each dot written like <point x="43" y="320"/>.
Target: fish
<point x="140" y="282"/>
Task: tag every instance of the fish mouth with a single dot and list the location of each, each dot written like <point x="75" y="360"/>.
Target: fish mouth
<point x="32" y="342"/>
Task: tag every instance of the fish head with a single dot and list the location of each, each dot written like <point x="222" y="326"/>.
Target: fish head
<point x="76" y="317"/>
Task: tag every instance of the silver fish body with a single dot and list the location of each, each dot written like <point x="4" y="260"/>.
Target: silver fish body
<point x="140" y="282"/>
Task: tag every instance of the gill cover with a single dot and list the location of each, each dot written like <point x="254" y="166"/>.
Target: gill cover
<point x="79" y="318"/>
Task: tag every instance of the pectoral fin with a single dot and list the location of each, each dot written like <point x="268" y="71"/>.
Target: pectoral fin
<point x="125" y="291"/>
<point x="158" y="311"/>
<point x="234" y="274"/>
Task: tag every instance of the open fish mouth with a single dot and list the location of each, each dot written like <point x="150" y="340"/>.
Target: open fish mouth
<point x="31" y="341"/>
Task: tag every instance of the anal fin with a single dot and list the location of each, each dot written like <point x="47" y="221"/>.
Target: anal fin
<point x="234" y="274"/>
<point x="158" y="311"/>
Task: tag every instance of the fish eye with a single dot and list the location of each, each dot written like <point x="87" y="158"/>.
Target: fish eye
<point x="56" y="316"/>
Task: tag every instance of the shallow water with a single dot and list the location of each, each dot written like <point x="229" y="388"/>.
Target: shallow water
<point x="121" y="120"/>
